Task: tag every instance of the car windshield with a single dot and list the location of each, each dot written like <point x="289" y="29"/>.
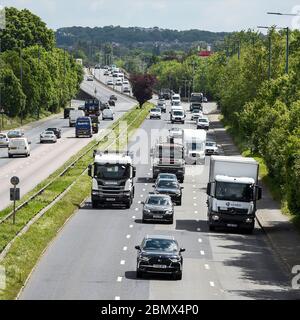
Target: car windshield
<point x="234" y="192"/>
<point x="49" y="132"/>
<point x="203" y="120"/>
<point x="112" y="172"/>
<point x="155" y="110"/>
<point x="2" y="136"/>
<point x="170" y="152"/>
<point x="14" y="134"/>
<point x="52" y="129"/>
<point x="167" y="184"/>
<point x="167" y="176"/>
<point x="158" y="201"/>
<point x="210" y="144"/>
<point x="164" y="245"/>
<point x="178" y="113"/>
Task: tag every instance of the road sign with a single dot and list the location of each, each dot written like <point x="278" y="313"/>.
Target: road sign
<point x="14" y="181"/>
<point x="14" y="194"/>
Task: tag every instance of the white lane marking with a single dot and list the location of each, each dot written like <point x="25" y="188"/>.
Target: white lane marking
<point x="119" y="279"/>
<point x="142" y="196"/>
<point x="202" y="253"/>
<point x="122" y="262"/>
<point x="200" y="240"/>
<point x="146" y="184"/>
<point x="194" y="186"/>
<point x="133" y="217"/>
<point x="136" y="209"/>
<point x="206" y="266"/>
<point x="195" y="204"/>
<point x="198" y="229"/>
<point x="128" y="236"/>
<point x="144" y="190"/>
<point x="125" y="249"/>
<point x="117" y="298"/>
<point x="196" y="212"/>
<point x="131" y="226"/>
<point x="151" y="169"/>
<point x="149" y="174"/>
<point x="212" y="284"/>
<point x="139" y="202"/>
<point x="194" y="191"/>
<point x="195" y="198"/>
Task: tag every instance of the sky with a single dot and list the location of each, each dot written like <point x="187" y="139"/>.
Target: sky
<point x="211" y="15"/>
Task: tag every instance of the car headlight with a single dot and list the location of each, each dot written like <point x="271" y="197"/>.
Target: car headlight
<point x="145" y="259"/>
<point x="169" y="212"/>
<point x="147" y="211"/>
<point x="175" y="259"/>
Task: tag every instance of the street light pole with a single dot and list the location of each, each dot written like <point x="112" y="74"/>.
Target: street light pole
<point x="287" y="50"/>
<point x="21" y="77"/>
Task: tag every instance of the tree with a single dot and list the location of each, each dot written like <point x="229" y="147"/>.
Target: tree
<point x="142" y="87"/>
<point x="24" y="29"/>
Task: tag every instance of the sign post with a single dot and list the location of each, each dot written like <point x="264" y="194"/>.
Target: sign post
<point x="14" y="194"/>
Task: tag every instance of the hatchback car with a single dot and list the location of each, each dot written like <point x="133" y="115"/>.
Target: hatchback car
<point x="4" y="140"/>
<point x="162" y="106"/>
<point x="159" y="255"/>
<point x="203" y="123"/>
<point x="171" y="188"/>
<point x="196" y="114"/>
<point x="176" y="133"/>
<point x="107" y="114"/>
<point x="155" y="113"/>
<point x="126" y="90"/>
<point x="110" y="83"/>
<point x="48" y="136"/>
<point x="125" y="82"/>
<point x="113" y="97"/>
<point x="57" y="132"/>
<point x="90" y="78"/>
<point x="158" y="208"/>
<point x="211" y="148"/>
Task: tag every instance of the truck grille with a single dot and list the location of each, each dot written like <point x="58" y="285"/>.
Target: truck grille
<point x="233" y="211"/>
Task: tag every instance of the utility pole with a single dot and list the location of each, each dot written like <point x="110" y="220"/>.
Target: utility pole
<point x="39" y="59"/>
<point x="21" y="77"/>
<point x="270" y="55"/>
<point x="287" y="50"/>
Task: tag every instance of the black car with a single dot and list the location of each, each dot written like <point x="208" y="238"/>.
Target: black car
<point x="159" y="254"/>
<point x="112" y="102"/>
<point x="158" y="208"/>
<point x="56" y="131"/>
<point x="113" y="97"/>
<point x="67" y="112"/>
<point x="171" y="188"/>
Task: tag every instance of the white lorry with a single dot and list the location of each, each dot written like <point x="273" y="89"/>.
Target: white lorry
<point x="194" y="142"/>
<point x="233" y="192"/>
<point x="112" y="176"/>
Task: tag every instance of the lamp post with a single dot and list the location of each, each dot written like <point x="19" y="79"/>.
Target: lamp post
<point x="2" y="112"/>
<point x="287" y="35"/>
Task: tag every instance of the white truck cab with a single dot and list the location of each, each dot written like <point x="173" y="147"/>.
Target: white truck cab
<point x="194" y="142"/>
<point x="233" y="192"/>
<point x="112" y="178"/>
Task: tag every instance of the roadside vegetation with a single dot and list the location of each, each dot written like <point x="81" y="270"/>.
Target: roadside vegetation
<point x="260" y="105"/>
<point x="36" y="78"/>
<point x="26" y="250"/>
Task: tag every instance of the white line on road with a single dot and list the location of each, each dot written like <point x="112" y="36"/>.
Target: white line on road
<point x="212" y="284"/>
<point x="125" y="249"/>
<point x="196" y="212"/>
<point x="142" y="195"/>
<point x="122" y="262"/>
<point x="144" y="190"/>
<point x="198" y="229"/>
<point x="146" y="184"/>
<point x="200" y="240"/>
<point x="206" y="266"/>
<point x="117" y="298"/>
<point x="136" y="209"/>
<point x="119" y="279"/>
<point x="133" y="217"/>
<point x="202" y="253"/>
<point x="131" y="226"/>
<point x="128" y="236"/>
<point x="195" y="198"/>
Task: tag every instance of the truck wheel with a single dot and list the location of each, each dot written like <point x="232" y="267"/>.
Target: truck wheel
<point x="128" y="204"/>
<point x="139" y="274"/>
<point x="180" y="202"/>
<point x="10" y="155"/>
<point x="181" y="180"/>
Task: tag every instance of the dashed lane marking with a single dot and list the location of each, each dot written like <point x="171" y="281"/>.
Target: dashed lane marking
<point x="125" y="249"/>
<point x="128" y="236"/>
<point x="119" y="279"/>
<point x="117" y="298"/>
<point x="200" y="240"/>
<point x="206" y="266"/>
<point x="212" y="284"/>
<point x="122" y="262"/>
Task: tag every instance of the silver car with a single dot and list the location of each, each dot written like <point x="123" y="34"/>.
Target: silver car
<point x="48" y="136"/>
<point x="158" y="208"/>
<point x="4" y="140"/>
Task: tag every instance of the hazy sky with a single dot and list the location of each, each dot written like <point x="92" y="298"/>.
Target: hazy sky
<point x="213" y="15"/>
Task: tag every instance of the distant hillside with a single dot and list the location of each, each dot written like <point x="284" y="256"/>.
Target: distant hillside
<point x="128" y="36"/>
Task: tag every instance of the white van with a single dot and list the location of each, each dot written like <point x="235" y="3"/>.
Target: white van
<point x="176" y="99"/>
<point x="107" y="114"/>
<point x="74" y="114"/>
<point x="178" y="115"/>
<point x="18" y="147"/>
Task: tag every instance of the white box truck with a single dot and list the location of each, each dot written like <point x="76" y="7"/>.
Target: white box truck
<point x="194" y="142"/>
<point x="233" y="192"/>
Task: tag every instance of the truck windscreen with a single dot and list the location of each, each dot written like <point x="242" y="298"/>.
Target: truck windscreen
<point x="170" y="152"/>
<point x="234" y="192"/>
<point x="112" y="171"/>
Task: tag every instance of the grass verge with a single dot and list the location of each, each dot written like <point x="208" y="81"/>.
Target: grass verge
<point x="26" y="250"/>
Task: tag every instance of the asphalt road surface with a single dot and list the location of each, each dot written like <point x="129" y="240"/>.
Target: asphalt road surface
<point x="94" y="258"/>
<point x="46" y="158"/>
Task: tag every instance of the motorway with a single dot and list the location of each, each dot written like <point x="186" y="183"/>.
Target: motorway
<point x="93" y="257"/>
<point x="46" y="158"/>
